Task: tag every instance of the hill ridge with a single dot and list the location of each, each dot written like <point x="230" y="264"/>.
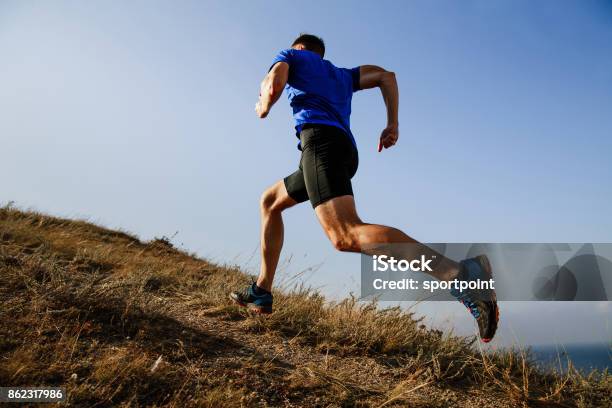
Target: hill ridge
<point x="118" y="321"/>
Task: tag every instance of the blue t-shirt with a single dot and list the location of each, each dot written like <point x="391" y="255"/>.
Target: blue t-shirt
<point x="318" y="91"/>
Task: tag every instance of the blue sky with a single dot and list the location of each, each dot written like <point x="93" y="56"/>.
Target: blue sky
<point x="140" y="116"/>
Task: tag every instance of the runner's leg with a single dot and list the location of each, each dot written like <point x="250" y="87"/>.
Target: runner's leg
<point x="273" y="202"/>
<point x="347" y="232"/>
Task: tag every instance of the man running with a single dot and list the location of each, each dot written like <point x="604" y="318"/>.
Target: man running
<point x="320" y="95"/>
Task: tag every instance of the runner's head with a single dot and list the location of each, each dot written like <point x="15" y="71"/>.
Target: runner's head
<point x="309" y="42"/>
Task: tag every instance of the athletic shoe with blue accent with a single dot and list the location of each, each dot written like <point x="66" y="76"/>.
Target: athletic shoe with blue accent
<point x="250" y="299"/>
<point x="482" y="304"/>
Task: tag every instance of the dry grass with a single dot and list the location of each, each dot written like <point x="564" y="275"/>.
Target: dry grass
<point x="121" y="322"/>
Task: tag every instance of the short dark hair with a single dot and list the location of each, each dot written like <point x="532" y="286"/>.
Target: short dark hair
<point x="311" y="43"/>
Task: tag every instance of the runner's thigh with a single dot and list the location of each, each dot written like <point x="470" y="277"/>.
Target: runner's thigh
<point x="328" y="163"/>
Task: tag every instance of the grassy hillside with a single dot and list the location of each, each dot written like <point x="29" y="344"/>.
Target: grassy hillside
<point x="121" y="322"/>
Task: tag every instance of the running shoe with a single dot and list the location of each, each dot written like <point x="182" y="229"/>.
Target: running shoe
<point x="481" y="304"/>
<point x="257" y="303"/>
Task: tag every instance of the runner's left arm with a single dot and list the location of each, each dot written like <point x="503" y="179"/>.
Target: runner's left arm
<point x="271" y="88"/>
<point x="372" y="76"/>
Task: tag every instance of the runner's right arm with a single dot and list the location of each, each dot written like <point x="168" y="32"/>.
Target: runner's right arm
<point x="372" y="76"/>
<point x="271" y="88"/>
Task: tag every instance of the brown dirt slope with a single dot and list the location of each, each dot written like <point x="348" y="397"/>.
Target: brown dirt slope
<point x="119" y="322"/>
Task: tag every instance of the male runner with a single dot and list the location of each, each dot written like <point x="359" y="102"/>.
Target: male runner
<point x="320" y="95"/>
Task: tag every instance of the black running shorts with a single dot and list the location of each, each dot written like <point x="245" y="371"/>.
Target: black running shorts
<point x="329" y="161"/>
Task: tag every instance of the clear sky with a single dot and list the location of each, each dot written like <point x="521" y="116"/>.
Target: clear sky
<point x="139" y="115"/>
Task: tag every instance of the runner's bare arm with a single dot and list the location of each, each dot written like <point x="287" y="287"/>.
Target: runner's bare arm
<point x="372" y="76"/>
<point x="271" y="88"/>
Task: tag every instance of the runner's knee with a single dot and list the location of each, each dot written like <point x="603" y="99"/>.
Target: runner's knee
<point x="270" y="201"/>
<point x="344" y="241"/>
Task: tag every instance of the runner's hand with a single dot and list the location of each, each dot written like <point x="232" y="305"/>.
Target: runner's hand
<point x="261" y="112"/>
<point x="388" y="137"/>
